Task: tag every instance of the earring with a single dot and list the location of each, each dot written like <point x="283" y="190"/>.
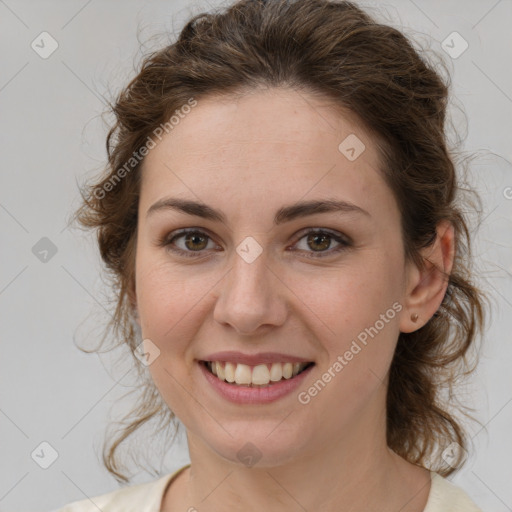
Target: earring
<point x="414" y="317"/>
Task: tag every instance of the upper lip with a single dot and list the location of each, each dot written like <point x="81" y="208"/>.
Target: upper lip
<point x="254" y="359"/>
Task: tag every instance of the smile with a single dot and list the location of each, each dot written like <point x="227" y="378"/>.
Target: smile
<point x="261" y="375"/>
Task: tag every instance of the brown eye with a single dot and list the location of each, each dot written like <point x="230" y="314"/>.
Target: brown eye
<point x="319" y="242"/>
<point x="195" y="241"/>
<point x="188" y="242"/>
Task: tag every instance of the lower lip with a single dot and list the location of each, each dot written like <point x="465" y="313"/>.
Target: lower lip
<point x="248" y="395"/>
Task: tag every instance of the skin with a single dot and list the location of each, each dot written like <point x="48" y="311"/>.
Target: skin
<point x="249" y="156"/>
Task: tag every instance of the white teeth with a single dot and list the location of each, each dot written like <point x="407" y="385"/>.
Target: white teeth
<point x="242" y="374"/>
<point x="229" y="372"/>
<point x="220" y="370"/>
<point x="276" y="372"/>
<point x="259" y="375"/>
<point x="287" y="370"/>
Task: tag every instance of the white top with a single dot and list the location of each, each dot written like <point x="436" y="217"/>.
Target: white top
<point x="444" y="496"/>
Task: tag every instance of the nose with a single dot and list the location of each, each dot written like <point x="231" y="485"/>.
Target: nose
<point x="251" y="297"/>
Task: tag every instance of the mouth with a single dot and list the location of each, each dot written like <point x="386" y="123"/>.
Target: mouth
<point x="257" y="376"/>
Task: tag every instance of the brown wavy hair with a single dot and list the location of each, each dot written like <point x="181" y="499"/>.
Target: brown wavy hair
<point x="336" y="51"/>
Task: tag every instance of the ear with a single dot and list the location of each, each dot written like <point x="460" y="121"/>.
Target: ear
<point x="426" y="288"/>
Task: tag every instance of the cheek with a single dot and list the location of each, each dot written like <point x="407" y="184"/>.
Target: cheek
<point x="358" y="332"/>
<point x="358" y="307"/>
<point x="352" y="297"/>
<point x="163" y="300"/>
<point x="171" y="300"/>
<point x="171" y="306"/>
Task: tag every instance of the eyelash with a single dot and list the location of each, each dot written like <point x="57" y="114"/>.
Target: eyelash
<point x="167" y="242"/>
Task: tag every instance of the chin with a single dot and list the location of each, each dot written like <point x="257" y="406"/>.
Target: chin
<point x="258" y="448"/>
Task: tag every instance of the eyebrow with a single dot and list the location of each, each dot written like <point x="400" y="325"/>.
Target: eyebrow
<point x="284" y="214"/>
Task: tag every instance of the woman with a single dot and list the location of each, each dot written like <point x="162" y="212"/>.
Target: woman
<point x="280" y="215"/>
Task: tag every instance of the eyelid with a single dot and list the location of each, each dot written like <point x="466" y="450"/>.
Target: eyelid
<point x="335" y="234"/>
<point x="166" y="240"/>
<point x="343" y="240"/>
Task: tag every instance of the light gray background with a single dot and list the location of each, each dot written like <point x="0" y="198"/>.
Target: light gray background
<point x="52" y="136"/>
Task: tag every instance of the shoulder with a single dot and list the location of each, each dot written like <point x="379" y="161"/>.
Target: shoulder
<point x="444" y="495"/>
<point x="145" y="497"/>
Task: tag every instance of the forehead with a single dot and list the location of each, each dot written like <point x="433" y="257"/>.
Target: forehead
<point x="276" y="145"/>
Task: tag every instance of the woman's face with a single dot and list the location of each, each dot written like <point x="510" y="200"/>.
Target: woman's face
<point x="258" y="284"/>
